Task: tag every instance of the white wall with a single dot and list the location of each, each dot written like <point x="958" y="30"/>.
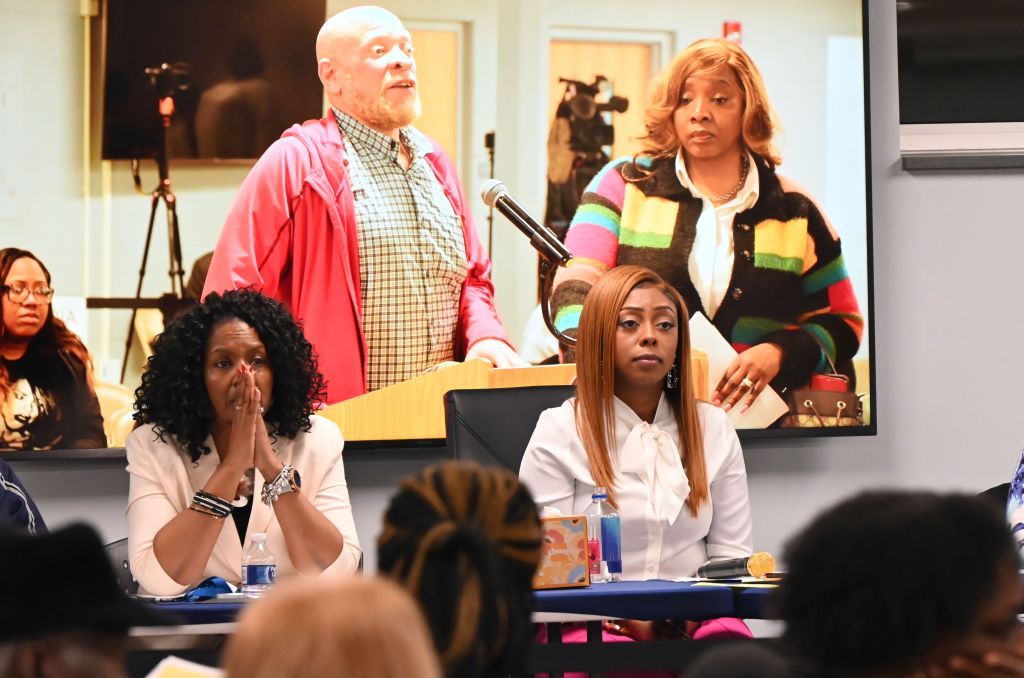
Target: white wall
<point x="946" y="249"/>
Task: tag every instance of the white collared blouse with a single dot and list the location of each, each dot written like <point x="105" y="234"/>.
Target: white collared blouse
<point x="660" y="539"/>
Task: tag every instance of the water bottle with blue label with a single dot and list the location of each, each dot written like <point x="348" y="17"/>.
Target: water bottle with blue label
<point x="603" y="520"/>
<point x="258" y="567"/>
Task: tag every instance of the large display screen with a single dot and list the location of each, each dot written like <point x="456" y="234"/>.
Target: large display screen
<point x="239" y="73"/>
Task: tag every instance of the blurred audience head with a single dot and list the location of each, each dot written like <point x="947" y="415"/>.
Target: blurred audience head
<point x="465" y="540"/>
<point x="897" y="580"/>
<point x="332" y="627"/>
<point x="65" y="616"/>
<point x="178" y="391"/>
<point x="711" y="56"/>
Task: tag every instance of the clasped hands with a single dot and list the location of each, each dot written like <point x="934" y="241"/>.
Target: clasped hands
<point x="249" y="444"/>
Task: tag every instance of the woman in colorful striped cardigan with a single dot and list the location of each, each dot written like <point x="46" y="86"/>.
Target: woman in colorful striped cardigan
<point x="703" y="206"/>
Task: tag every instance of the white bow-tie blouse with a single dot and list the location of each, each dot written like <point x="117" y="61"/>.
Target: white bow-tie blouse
<point x="660" y="539"/>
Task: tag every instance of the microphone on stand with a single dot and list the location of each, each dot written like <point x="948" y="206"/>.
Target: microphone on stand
<point x="495" y="194"/>
<point x="755" y="565"/>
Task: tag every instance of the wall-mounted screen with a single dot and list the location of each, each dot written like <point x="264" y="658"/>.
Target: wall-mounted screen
<point x="961" y="83"/>
<point x="816" y="81"/>
<point x="239" y="73"/>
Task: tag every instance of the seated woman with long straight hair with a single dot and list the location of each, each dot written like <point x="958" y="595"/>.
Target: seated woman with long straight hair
<point x="672" y="466"/>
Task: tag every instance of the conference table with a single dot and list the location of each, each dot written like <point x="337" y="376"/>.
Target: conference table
<point x="643" y="600"/>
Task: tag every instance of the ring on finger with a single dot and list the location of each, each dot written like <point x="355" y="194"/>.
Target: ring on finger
<point x="747" y="383"/>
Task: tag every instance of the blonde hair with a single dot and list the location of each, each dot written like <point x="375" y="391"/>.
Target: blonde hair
<point x="708" y="56"/>
<point x="341" y="626"/>
<point x="595" y="380"/>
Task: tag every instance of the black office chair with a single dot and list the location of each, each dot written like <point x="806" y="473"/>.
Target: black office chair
<point x="493" y="426"/>
<point x="996" y="496"/>
<point x="117" y="552"/>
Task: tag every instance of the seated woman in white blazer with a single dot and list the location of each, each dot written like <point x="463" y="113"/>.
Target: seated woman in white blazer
<point x="673" y="467"/>
<point x="229" y="446"/>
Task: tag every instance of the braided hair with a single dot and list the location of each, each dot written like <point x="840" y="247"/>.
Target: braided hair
<point x="465" y="541"/>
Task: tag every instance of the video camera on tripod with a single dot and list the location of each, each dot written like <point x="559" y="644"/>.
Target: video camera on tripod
<point x="169" y="79"/>
<point x="166" y="80"/>
<point x="590" y="130"/>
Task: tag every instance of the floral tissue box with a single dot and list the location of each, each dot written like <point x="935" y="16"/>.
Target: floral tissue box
<point x="564" y="561"/>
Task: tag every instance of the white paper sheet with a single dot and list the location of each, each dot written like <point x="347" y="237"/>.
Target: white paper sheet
<point x="176" y="667"/>
<point x="766" y="409"/>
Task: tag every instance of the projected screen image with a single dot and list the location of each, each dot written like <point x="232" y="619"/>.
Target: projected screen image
<point x="782" y="271"/>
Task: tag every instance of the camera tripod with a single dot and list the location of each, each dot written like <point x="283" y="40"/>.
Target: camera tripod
<point x="162" y="193"/>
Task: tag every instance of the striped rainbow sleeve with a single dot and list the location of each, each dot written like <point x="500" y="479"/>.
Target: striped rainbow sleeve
<point x="593" y="239"/>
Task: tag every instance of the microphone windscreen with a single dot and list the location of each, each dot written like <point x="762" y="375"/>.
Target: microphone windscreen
<point x="759" y="564"/>
<point x="491" y="190"/>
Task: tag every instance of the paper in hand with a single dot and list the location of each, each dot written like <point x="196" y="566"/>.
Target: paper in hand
<point x="768" y="407"/>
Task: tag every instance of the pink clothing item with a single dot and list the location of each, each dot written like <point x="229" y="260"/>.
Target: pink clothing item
<point x="292" y="234"/>
<point x="577" y="633"/>
<point x="721" y="628"/>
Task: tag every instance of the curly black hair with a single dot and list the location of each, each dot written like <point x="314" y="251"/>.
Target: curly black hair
<point x="173" y="393"/>
<point x="878" y="580"/>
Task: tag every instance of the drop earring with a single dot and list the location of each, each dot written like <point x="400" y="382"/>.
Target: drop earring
<point x="672" y="378"/>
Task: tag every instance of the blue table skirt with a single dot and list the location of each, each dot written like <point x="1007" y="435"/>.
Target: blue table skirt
<point x="653" y="599"/>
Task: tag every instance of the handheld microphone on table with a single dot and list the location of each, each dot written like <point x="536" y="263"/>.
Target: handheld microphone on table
<point x="553" y="253"/>
<point x="755" y="565"/>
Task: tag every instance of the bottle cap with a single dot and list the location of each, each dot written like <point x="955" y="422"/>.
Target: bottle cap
<point x="600" y="493"/>
<point x="259" y="536"/>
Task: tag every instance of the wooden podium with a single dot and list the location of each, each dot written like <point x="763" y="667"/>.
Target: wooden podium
<point x="414" y="409"/>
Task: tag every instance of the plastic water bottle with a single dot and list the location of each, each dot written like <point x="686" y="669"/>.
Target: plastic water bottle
<point x="258" y="567"/>
<point x="603" y="536"/>
<point x="594" y="534"/>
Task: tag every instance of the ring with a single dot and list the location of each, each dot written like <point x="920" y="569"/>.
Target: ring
<point x="746" y="382"/>
<point x="238" y="407"/>
<point x="261" y="409"/>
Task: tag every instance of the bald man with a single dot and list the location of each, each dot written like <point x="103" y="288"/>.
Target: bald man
<point x="358" y="223"/>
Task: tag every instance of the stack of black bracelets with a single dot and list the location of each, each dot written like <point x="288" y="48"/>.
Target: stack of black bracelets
<point x="211" y="505"/>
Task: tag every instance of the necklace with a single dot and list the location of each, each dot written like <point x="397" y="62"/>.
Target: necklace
<point x="743" y="179"/>
<point x="245" y="487"/>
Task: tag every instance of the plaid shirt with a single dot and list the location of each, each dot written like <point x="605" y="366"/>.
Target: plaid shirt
<point x="412" y="253"/>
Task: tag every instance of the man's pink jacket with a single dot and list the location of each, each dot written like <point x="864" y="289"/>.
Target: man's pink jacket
<point x="292" y="234"/>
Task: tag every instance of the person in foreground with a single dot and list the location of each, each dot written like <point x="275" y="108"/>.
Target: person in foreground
<point x="897" y="583"/>
<point x="16" y="506"/>
<point x="226" y="406"/>
<point x="47" y="399"/>
<point x="672" y="466"/>
<point x="465" y="541"/>
<point x="333" y="627"/>
<point x="358" y="223"/>
<point x="64" y="614"/>
<point x="703" y="206"/>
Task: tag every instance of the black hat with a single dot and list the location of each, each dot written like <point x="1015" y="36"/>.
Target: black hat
<point x="62" y="582"/>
